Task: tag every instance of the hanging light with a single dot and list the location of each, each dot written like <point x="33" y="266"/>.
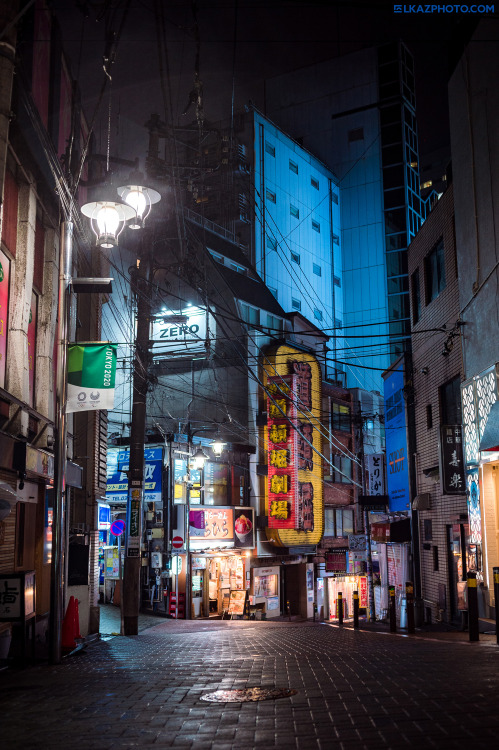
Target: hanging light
<point x="107" y="219"/>
<point x="217" y="446"/>
<point x="199" y="458"/>
<point x="140" y="199"/>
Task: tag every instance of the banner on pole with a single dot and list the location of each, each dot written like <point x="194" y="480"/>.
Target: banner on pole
<point x="91" y="376"/>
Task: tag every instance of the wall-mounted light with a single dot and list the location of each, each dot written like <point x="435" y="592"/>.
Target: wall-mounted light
<point x="140" y="199"/>
<point x="217" y="446"/>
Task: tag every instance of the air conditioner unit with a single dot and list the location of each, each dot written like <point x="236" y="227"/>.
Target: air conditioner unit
<point x="422" y="502"/>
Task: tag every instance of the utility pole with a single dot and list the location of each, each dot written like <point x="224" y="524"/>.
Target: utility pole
<point x="133" y="552"/>
<point x="367" y="526"/>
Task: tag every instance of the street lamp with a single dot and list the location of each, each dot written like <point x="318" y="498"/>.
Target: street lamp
<point x="108" y="219"/>
<point x="140" y="199"/>
<point x="199" y="458"/>
<point x="217" y="446"/>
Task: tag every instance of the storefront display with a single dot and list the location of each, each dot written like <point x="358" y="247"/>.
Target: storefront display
<point x="264" y="591"/>
<point x="346" y="585"/>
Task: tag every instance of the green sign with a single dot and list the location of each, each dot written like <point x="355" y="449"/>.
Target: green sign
<point x="91" y="376"/>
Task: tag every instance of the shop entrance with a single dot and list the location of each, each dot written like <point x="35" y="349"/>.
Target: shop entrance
<point x="457" y="576"/>
<point x="213" y="578"/>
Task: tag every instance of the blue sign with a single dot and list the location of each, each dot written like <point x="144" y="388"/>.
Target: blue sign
<point x="117" y="478"/>
<point x="104" y="521"/>
<point x="397" y="466"/>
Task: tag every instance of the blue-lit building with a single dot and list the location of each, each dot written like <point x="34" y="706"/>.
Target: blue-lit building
<point x="283" y="206"/>
<point x="357" y="114"/>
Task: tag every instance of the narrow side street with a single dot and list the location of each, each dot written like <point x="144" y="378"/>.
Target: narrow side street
<point x="354" y="690"/>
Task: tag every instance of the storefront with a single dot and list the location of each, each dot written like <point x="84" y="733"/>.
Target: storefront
<point x="265" y="592"/>
<point x="346" y="585"/>
<point x="221" y="541"/>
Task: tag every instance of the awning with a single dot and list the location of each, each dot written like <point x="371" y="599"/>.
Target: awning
<point x="490" y="437"/>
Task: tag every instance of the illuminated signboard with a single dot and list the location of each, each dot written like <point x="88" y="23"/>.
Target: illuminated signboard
<point x="178" y="333"/>
<point x="294" y="493"/>
<point x="396" y="440"/>
<point x="282" y="452"/>
<point x="222" y="526"/>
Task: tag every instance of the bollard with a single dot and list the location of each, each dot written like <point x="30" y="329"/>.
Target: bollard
<point x="409" y="598"/>
<point x="315" y="610"/>
<point x="340" y="608"/>
<point x="289" y="610"/>
<point x="496" y="600"/>
<point x="356" y="609"/>
<point x="391" y="609"/>
<point x="472" y="606"/>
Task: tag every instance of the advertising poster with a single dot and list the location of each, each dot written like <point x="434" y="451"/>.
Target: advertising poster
<point x="117" y="478"/>
<point x="396" y="441"/>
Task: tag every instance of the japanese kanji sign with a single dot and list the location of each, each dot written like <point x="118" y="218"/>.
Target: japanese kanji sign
<point x="294" y="491"/>
<point x="282" y="451"/>
<point x="451" y="455"/>
<point x="375" y="474"/>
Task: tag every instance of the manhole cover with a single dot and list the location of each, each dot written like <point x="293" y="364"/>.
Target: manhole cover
<point x="248" y="694"/>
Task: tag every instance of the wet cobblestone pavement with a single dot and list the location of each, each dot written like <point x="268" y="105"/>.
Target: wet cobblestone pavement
<point x="355" y="690"/>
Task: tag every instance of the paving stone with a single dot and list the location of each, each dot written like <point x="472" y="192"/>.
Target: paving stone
<point x="356" y="690"/>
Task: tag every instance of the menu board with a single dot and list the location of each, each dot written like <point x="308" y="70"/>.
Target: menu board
<point x="237" y="601"/>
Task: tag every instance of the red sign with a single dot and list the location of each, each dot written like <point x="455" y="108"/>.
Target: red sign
<point x="177" y="542"/>
<point x="363" y="591"/>
<point x="4" y="312"/>
<point x="283" y="431"/>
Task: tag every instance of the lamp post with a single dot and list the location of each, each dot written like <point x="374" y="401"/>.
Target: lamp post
<point x="59" y="517"/>
<point x="108" y="219"/>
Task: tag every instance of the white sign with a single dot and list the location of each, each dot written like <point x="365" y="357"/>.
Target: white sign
<point x="376" y="474"/>
<point x="178" y="333"/>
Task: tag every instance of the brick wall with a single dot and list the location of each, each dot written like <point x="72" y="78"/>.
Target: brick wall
<point x="431" y="371"/>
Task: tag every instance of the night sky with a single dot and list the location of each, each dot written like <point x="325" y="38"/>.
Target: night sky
<point x="241" y="42"/>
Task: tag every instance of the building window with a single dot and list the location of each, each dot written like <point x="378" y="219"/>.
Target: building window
<point x="295" y="304"/>
<point x="293" y="167"/>
<point x="357" y="134"/>
<point x="450" y="402"/>
<point x="238" y="269"/>
<point x="342" y="469"/>
<point x="271" y="243"/>
<point x="334" y="197"/>
<point x="295" y="257"/>
<point x="336" y="281"/>
<point x="269" y="148"/>
<point x="294" y="211"/>
<point x="218" y="258"/>
<point x="344" y="521"/>
<point x="338" y="323"/>
<point x="416" y="296"/>
<point x="340" y="417"/>
<point x="270" y="196"/>
<point x="336" y="239"/>
<point x="317" y="314"/>
<point x="435" y="272"/>
<point x="274" y="322"/>
<point x="316" y="226"/>
<point x="329" y="518"/>
<point x="250" y="314"/>
<point x="435" y="558"/>
<point x="317" y="269"/>
<point x="314" y="182"/>
<point x="428" y="533"/>
<point x="429" y="416"/>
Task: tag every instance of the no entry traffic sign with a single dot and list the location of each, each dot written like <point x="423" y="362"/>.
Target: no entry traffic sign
<point x="177" y="542"/>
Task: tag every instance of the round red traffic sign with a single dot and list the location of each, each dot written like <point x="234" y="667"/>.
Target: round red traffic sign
<point x="177" y="542"/>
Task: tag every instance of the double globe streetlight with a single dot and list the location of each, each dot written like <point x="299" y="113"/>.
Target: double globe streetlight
<point x="109" y="218"/>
